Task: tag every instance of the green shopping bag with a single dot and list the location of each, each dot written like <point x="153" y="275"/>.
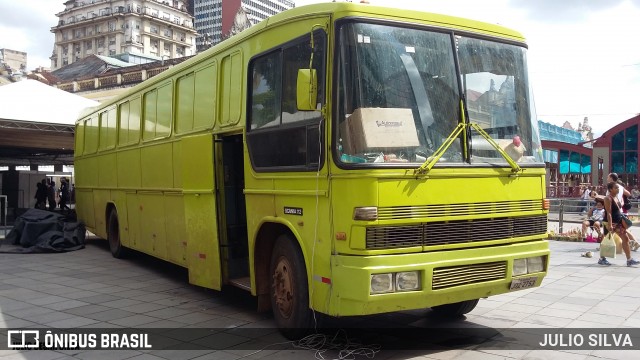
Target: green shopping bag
<point x="608" y="246"/>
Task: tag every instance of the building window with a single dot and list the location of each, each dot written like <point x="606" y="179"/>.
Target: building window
<point x="624" y="155"/>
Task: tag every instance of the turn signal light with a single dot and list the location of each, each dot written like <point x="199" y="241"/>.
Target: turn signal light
<point x="545" y="204"/>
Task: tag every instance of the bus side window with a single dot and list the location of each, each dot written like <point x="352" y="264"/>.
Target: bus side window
<point x="91" y="135"/>
<point x="278" y="135"/>
<point x="107" y="130"/>
<point x="79" y="137"/>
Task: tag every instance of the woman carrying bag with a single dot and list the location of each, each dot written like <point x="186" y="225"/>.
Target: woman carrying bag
<point x="617" y="223"/>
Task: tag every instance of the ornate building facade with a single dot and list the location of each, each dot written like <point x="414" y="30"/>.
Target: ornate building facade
<point x="154" y="29"/>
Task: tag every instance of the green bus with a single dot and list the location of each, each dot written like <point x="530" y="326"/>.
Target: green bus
<point x="336" y="158"/>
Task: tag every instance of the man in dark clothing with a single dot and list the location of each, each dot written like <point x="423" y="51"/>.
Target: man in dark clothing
<point x="41" y="195"/>
<point x="51" y="194"/>
<point x="64" y="194"/>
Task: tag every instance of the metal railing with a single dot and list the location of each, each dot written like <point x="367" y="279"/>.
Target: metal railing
<point x="565" y="210"/>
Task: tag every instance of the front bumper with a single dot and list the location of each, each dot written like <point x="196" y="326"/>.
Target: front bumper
<point x="351" y="277"/>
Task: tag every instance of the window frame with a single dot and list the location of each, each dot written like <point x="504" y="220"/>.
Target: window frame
<point x="307" y="125"/>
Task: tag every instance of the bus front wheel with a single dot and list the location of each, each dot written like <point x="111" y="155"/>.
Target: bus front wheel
<point x="113" y="236"/>
<point x="289" y="289"/>
<point x="456" y="309"/>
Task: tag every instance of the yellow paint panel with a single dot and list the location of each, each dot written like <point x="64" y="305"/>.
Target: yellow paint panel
<point x="129" y="175"/>
<point x="197" y="170"/>
<point x="156" y="166"/>
<point x="133" y="215"/>
<point x="152" y="224"/>
<point x="203" y="254"/>
<point x="177" y="165"/>
<point x="176" y="229"/>
<point x="84" y="206"/>
<point x="107" y="170"/>
<point x="411" y="192"/>
<point x="100" y="200"/>
<point x="87" y="173"/>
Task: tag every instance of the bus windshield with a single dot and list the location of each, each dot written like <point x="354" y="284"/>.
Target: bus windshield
<point x="399" y="96"/>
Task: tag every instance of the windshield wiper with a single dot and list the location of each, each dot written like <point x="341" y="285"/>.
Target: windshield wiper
<point x="428" y="164"/>
<point x="431" y="161"/>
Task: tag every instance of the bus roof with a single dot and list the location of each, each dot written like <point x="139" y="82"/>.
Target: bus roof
<point x="339" y="10"/>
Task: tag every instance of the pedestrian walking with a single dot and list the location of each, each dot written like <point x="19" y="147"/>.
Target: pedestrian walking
<point x="615" y="222"/>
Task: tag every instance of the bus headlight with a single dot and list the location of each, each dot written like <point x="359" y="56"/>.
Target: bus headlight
<point x="528" y="265"/>
<point x="519" y="267"/>
<point x="407" y="281"/>
<point x="535" y="264"/>
<point x="381" y="283"/>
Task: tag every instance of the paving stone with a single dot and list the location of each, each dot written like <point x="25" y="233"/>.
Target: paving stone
<point x="87" y="309"/>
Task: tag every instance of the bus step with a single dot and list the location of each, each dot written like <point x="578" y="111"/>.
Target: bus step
<point x="243" y="283"/>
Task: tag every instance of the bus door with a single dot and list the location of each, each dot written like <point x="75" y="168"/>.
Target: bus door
<point x="198" y="181"/>
<point x="232" y="214"/>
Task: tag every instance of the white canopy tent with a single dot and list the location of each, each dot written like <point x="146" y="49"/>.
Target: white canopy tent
<point x="37" y="124"/>
<point x="32" y="101"/>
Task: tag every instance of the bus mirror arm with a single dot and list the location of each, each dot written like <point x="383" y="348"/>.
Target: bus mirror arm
<point x="307" y="81"/>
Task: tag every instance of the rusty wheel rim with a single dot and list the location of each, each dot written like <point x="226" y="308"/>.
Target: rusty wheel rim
<point x="283" y="287"/>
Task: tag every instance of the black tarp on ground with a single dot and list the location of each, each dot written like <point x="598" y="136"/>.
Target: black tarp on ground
<point x="40" y="231"/>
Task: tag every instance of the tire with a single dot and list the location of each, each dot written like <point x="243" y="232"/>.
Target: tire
<point x="289" y="289"/>
<point x="455" y="310"/>
<point x="113" y="236"/>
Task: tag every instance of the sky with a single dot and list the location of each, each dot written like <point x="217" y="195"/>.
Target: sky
<point x="584" y="55"/>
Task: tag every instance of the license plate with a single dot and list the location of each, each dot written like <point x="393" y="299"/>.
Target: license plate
<point x="523" y="283"/>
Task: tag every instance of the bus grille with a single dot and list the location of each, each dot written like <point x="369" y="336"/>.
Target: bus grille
<point x="466" y="209"/>
<point x="454" y="232"/>
<point x="446" y="277"/>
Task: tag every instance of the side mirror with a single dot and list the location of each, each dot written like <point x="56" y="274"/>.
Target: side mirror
<point x="307" y="90"/>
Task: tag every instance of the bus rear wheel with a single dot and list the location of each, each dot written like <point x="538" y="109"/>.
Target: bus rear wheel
<point x="289" y="289"/>
<point x="455" y="310"/>
<point x="113" y="236"/>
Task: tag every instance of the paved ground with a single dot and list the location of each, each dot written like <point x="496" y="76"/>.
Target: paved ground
<point x="89" y="288"/>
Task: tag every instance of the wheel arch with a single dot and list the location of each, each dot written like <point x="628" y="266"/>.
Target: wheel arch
<point x="268" y="232"/>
